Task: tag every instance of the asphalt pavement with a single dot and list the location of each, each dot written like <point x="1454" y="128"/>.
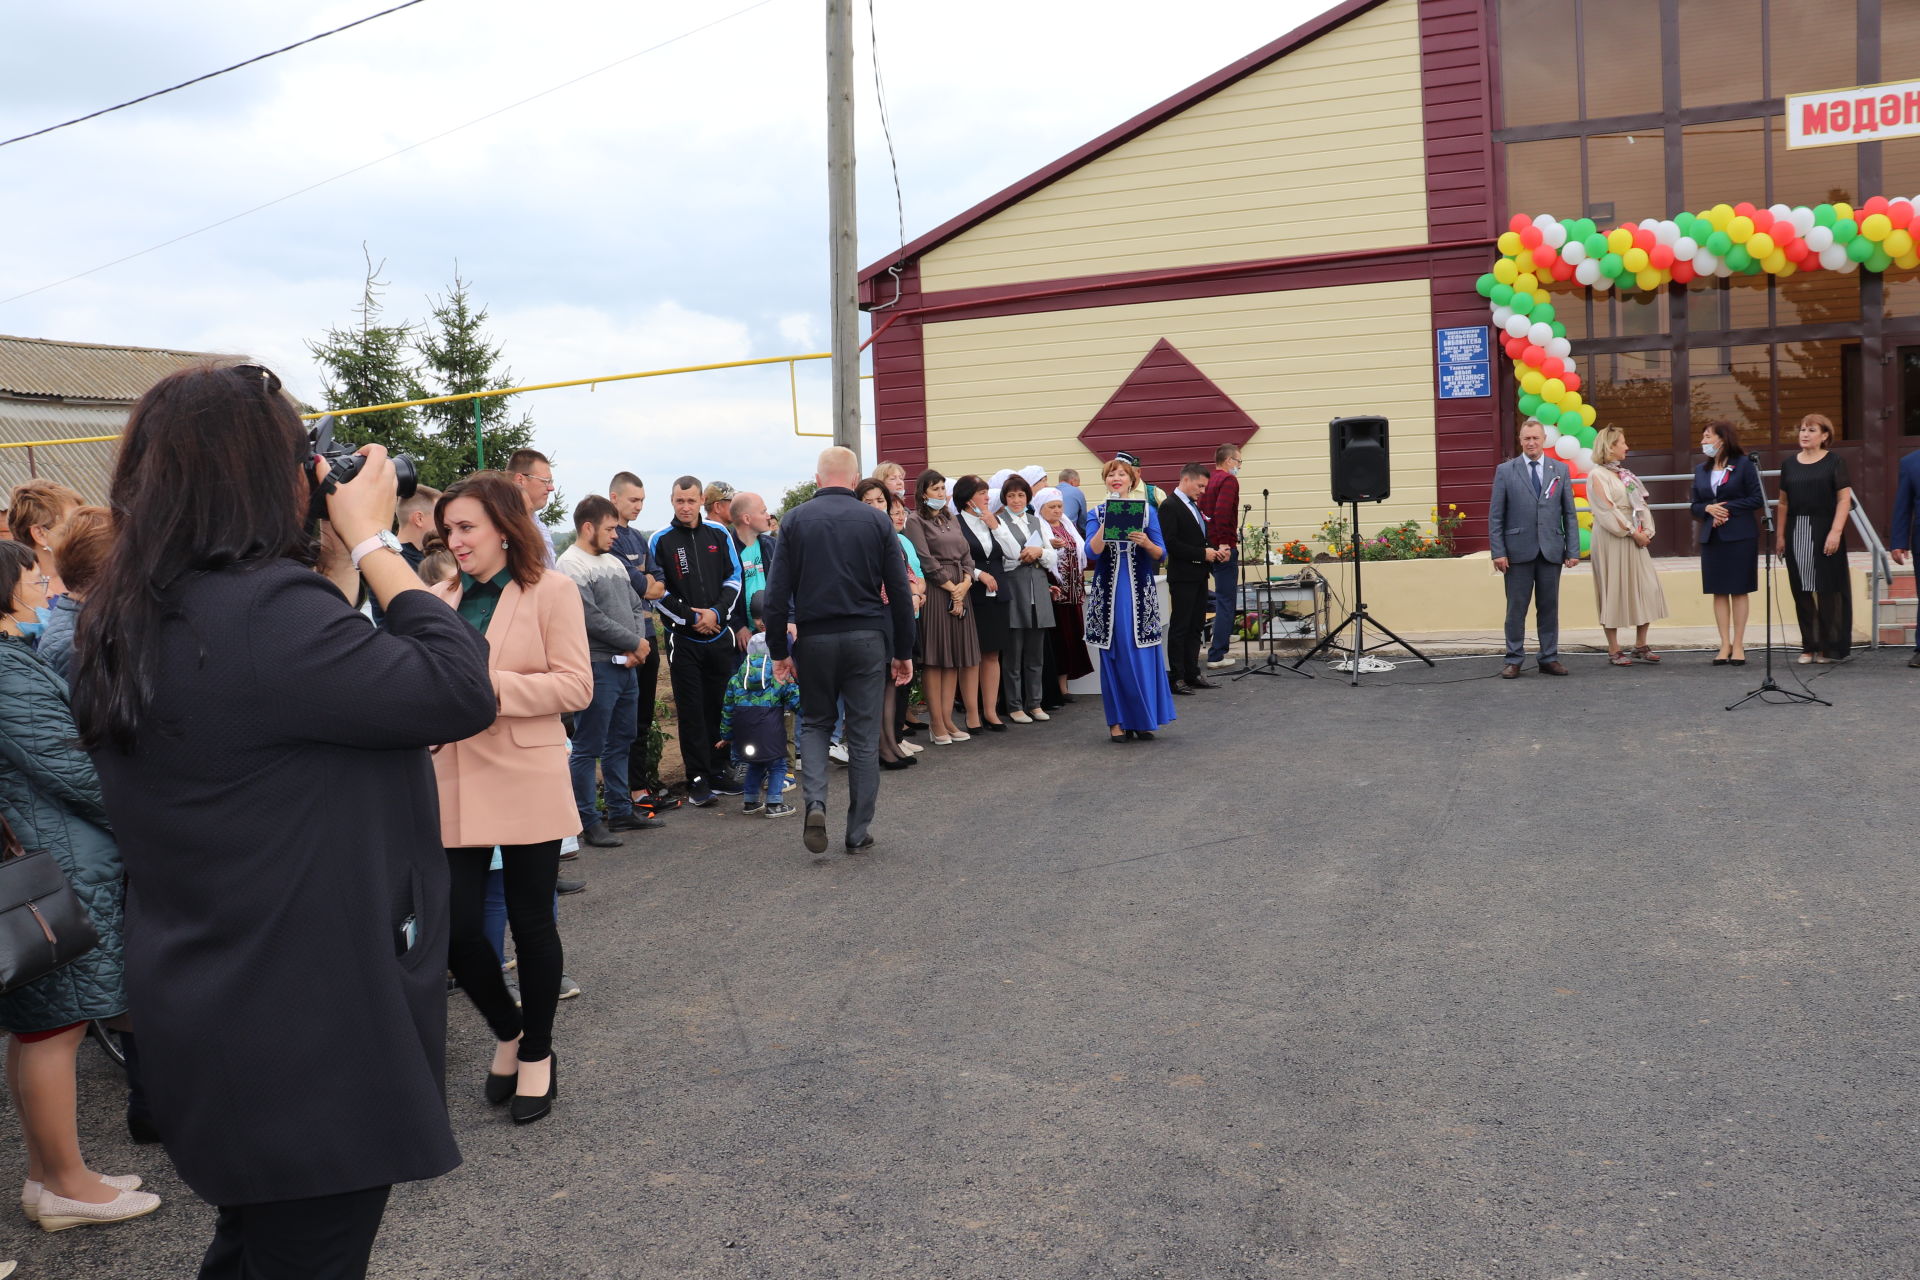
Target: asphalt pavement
<point x="1439" y="978"/>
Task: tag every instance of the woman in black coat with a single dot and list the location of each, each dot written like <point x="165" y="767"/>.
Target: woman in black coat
<point x="263" y="754"/>
<point x="1726" y="496"/>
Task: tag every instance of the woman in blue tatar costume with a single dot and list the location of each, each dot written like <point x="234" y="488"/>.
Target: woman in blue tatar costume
<point x="1123" y="617"/>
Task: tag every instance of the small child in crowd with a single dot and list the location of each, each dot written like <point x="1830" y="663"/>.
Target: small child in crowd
<point x="753" y="720"/>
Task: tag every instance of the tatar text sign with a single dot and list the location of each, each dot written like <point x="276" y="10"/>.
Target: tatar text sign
<point x="1865" y="114"/>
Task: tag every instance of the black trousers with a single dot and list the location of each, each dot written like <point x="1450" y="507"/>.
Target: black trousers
<point x="323" y="1238"/>
<point x="528" y="873"/>
<point x="642" y="768"/>
<point x="1183" y="630"/>
<point x="700" y="675"/>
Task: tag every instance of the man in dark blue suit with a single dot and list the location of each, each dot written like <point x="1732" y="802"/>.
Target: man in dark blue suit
<point x="1906" y="508"/>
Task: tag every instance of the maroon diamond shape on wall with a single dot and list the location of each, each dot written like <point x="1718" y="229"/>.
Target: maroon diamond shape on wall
<point x="1167" y="413"/>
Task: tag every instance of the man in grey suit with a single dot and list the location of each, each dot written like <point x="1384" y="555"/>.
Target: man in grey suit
<point x="1533" y="531"/>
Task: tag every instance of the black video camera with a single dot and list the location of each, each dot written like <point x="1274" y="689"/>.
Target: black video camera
<point x="343" y="464"/>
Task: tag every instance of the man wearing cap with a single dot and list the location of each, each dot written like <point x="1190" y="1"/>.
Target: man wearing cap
<point x="718" y="503"/>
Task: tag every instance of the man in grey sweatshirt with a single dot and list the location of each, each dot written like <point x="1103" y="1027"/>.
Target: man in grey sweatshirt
<point x="617" y="643"/>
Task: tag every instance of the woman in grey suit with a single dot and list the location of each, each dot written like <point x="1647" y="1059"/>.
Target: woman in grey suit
<point x="1029" y="603"/>
<point x="1533" y="532"/>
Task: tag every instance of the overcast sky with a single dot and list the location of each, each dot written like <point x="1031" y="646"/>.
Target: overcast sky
<point x="669" y="211"/>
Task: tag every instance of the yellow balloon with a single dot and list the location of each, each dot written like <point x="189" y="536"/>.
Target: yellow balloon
<point x="1619" y="240"/>
<point x="1524" y="261"/>
<point x="1505" y="272"/>
<point x="1907" y="261"/>
<point x="1509" y="243"/>
<point x="1650" y="279"/>
<point x="1589" y="415"/>
<point x="1571" y="400"/>
<point x="1586" y="519"/>
<point x="1760" y="245"/>
<point x="1899" y="243"/>
<point x="1554" y="391"/>
<point x="1843" y="210"/>
<point x="1740" y="230"/>
<point x="1876" y="227"/>
<point x="1636" y="260"/>
<point x="1774" y="261"/>
<point x="1525" y="282"/>
<point x="1540" y="296"/>
<point x="1533" y="380"/>
<point x="1787" y="269"/>
<point x="1721" y="216"/>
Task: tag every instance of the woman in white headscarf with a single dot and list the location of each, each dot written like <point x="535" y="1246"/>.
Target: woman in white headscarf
<point x="1070" y="659"/>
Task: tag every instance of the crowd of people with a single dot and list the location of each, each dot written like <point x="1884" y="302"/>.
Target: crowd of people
<point x="305" y="775"/>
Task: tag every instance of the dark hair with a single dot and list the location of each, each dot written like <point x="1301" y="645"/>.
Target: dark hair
<point x="754" y="609"/>
<point x="1224" y="452"/>
<point x="625" y="477"/>
<point x="81" y="544"/>
<point x="592" y="509"/>
<point x="869" y="485"/>
<point x="927" y="480"/>
<point x="1198" y="469"/>
<point x="208" y="478"/>
<point x="526" y="549"/>
<point x="1016" y="482"/>
<point x="16" y="560"/>
<point x="1723" y="430"/>
<point x="963" y="490"/>
<point x="520" y="461"/>
<point x="691" y="482"/>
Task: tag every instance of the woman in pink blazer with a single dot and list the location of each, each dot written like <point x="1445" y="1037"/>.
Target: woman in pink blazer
<point x="508" y="785"/>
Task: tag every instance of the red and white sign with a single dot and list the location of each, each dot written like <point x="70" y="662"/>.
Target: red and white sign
<point x="1867" y="114"/>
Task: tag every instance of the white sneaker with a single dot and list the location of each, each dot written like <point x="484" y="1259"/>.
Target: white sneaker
<point x="1221" y="664"/>
<point x="837" y="751"/>
<point x="30" y="1191"/>
<point x="57" y="1213"/>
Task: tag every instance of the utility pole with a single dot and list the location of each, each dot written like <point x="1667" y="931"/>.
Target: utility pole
<point x="842" y="226"/>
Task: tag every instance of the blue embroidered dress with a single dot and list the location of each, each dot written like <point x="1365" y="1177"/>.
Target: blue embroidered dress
<point x="1124" y="624"/>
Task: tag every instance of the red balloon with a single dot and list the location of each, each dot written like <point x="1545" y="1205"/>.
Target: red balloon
<point x="1515" y="347"/>
<point x="1744" y="210"/>
<point x="1644" y="239"/>
<point x="1783" y="231"/>
<point x="1552" y="366"/>
<point x="1683" y="272"/>
<point x="1533" y="355"/>
<point x="1544" y="256"/>
<point x="1562" y="270"/>
<point x="1874" y="204"/>
<point x="1900" y="214"/>
<point x="1572" y="380"/>
<point x="1531" y="237"/>
<point x="1796" y="251"/>
<point x="1519" y="222"/>
<point x="1660" y="256"/>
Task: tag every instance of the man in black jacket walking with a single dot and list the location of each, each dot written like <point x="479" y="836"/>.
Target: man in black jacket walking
<point x="701" y="571"/>
<point x="834" y="557"/>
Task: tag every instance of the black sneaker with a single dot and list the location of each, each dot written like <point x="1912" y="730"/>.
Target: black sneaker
<point x="656" y="800"/>
<point x="753" y="807"/>
<point x="570" y="886"/>
<point x="729" y="785"/>
<point x="568" y="987"/>
<point x="815" y="834"/>
<point x="780" y="811"/>
<point x="635" y="821"/>
<point x="701" y="799"/>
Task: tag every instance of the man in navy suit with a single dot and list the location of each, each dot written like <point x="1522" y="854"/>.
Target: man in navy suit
<point x="1533" y="532"/>
<point x="1906" y="509"/>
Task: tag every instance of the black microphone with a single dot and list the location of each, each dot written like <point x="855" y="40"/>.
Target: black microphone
<point x="1263" y="493"/>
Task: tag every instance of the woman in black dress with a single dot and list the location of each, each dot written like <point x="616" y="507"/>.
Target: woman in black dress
<point x="1726" y="494"/>
<point x="994" y="555"/>
<point x="1815" y="497"/>
<point x="262" y="752"/>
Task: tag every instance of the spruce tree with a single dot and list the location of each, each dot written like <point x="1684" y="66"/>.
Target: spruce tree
<point x="373" y="363"/>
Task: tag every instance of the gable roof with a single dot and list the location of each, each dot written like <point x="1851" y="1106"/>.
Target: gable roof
<point x="44" y="367"/>
<point x="1152" y="116"/>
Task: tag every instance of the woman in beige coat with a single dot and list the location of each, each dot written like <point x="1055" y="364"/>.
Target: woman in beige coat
<point x="508" y="786"/>
<point x="1626" y="588"/>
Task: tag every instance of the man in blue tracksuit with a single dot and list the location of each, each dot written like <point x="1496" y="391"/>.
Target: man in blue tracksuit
<point x="701" y="571"/>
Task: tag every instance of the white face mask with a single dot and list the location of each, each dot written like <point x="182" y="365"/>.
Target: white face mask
<point x="937" y="504"/>
<point x="1710" y="447"/>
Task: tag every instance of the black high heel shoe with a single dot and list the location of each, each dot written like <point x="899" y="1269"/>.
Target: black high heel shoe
<point x="526" y="1110"/>
<point x="905" y="762"/>
<point x="500" y="1088"/>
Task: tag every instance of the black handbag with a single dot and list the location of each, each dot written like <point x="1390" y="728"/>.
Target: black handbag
<point x="43" y="925"/>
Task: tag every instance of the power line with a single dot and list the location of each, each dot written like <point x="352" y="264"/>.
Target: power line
<point x="160" y="93"/>
<point x="412" y="146"/>
<point x="886" y="128"/>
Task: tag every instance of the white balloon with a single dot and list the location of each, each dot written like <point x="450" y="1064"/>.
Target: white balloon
<point x="1587" y="272"/>
<point x="1584" y="458"/>
<point x="1553" y="433"/>
<point x="1602" y="281"/>
<point x="1544" y="220"/>
<point x="1554" y="233"/>
<point x="1802" y="219"/>
<point x="1567" y="361"/>
<point x="1560" y="348"/>
<point x="1567" y="447"/>
<point x="1540" y="334"/>
<point x="1780" y="211"/>
<point x="1573" y="252"/>
<point x="1501" y="315"/>
<point x="1834" y="256"/>
<point x="1666" y="232"/>
<point x="1684" y="247"/>
<point x="1820" y="239"/>
<point x="1705" y="263"/>
<point x="1723" y="271"/>
<point x="1517" y="326"/>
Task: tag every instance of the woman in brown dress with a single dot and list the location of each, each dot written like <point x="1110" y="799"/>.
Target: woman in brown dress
<point x="947" y="633"/>
<point x="1626" y="589"/>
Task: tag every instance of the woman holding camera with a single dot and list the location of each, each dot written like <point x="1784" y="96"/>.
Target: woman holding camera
<point x="262" y="751"/>
<point x="509" y="785"/>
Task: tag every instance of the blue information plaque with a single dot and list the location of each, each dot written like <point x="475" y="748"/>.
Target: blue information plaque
<point x="1465" y="366"/>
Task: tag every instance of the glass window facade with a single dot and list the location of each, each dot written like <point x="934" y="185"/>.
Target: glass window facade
<point x="1687" y="114"/>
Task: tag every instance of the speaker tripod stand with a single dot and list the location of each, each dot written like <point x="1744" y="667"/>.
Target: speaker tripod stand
<point x="1782" y="695"/>
<point x="1358" y="620"/>
<point x="1271" y="664"/>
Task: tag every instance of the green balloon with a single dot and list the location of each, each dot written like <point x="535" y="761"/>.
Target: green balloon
<point x="1611" y="266"/>
<point x="1860" y="248"/>
<point x="1543" y="313"/>
<point x="1586" y="541"/>
<point x="1880" y="260"/>
<point x="1529" y="404"/>
<point x="1685" y="222"/>
<point x="1502" y="294"/>
<point x="1824" y="216"/>
<point x="1588" y="227"/>
<point x="1548" y="415"/>
<point x="1844" y="230"/>
<point x="1484" y="285"/>
<point x="1586" y="435"/>
<point x="1738" y="258"/>
<point x="1522" y="304"/>
<point x="1559" y="330"/>
<point x="1596" y="245"/>
<point x="1718" y="244"/>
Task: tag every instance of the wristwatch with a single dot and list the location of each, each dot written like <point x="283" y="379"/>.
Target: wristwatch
<point x="384" y="538"/>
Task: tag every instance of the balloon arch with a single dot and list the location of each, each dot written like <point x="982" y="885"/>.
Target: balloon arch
<point x="1726" y="240"/>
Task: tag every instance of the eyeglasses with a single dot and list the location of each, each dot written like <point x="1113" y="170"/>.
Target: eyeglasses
<point x="268" y="377"/>
<point x="545" y="482"/>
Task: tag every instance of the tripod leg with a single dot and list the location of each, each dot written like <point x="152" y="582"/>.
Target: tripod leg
<point x="1388" y="631"/>
<point x="1326" y="642"/>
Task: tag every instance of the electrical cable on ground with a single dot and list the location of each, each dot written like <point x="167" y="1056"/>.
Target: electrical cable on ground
<point x="161" y="93"/>
<point x="412" y="146"/>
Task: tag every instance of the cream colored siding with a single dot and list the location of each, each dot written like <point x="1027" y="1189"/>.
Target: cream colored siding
<point x="1319" y="152"/>
<point x="1015" y="390"/>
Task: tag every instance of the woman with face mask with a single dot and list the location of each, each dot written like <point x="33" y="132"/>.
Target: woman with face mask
<point x="1726" y="494"/>
<point x="947" y="635"/>
<point x="1029" y="604"/>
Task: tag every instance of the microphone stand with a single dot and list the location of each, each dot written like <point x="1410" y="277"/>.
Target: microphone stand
<point x="1767" y="685"/>
<point x="1271" y="666"/>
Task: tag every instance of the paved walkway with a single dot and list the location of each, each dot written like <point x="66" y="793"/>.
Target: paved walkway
<point x="1440" y="978"/>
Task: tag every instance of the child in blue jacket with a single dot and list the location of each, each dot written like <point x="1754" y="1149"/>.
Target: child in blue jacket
<point x="752" y="718"/>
